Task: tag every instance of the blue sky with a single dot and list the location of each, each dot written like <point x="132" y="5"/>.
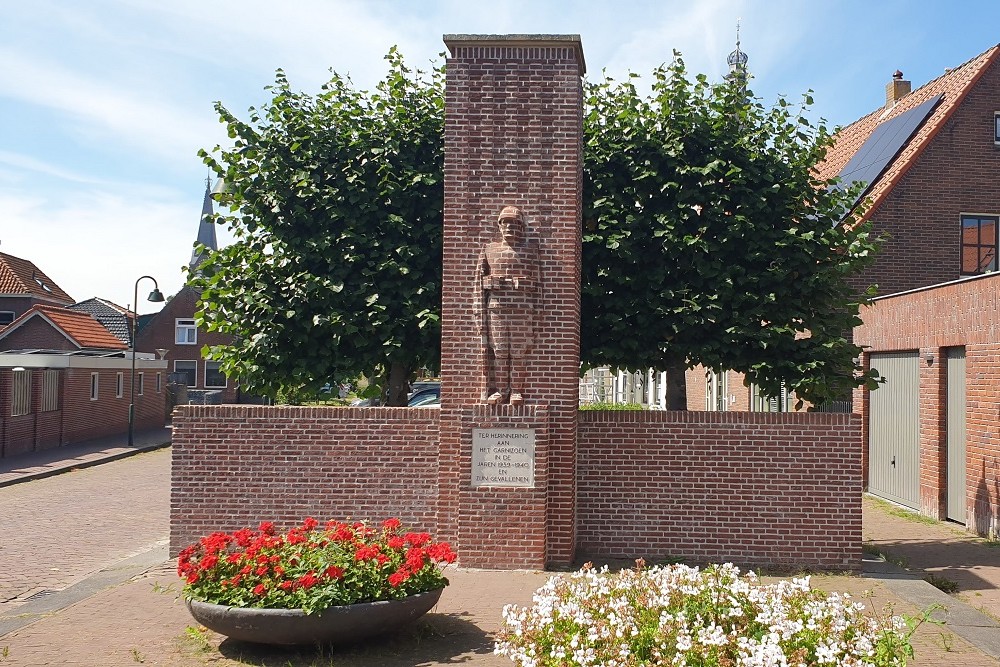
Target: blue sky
<point x="105" y="103"/>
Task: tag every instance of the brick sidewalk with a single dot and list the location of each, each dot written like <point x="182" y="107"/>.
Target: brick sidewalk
<point x="144" y="622"/>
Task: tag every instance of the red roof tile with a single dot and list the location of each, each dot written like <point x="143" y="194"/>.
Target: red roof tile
<point x="953" y="86"/>
<point x="19" y="277"/>
<point x="79" y="327"/>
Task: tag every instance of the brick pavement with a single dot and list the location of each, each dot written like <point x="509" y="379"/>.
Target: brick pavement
<point x="59" y="530"/>
<point x="941" y="548"/>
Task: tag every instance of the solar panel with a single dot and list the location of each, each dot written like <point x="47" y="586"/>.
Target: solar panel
<point x="884" y="144"/>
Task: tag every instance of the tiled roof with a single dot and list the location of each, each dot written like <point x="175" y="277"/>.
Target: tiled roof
<point x="19" y="277"/>
<point x="80" y="328"/>
<point x="113" y="317"/>
<point x="952" y="86"/>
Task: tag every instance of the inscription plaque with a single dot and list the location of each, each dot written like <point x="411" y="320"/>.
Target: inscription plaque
<point x="503" y="457"/>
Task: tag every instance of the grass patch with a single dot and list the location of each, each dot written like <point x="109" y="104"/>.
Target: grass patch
<point x="941" y="583"/>
<point x="902" y="512"/>
<point x="604" y="405"/>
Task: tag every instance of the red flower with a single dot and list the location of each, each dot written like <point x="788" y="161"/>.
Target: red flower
<point x="334" y="572"/>
<point x="396" y="578"/>
<point x="267" y="527"/>
<point x="417" y="539"/>
<point x="391" y="524"/>
<point x="441" y="552"/>
<point x="286" y="585"/>
<point x="208" y="562"/>
<point x="295" y="536"/>
<point x="395" y="542"/>
<point x="382" y="559"/>
<point x="367" y="552"/>
<point x="233" y="559"/>
<point x="415" y="558"/>
<point x="309" y="523"/>
<point x="261" y="571"/>
<point x="259" y="589"/>
<point x="308" y="580"/>
<point x="243" y="537"/>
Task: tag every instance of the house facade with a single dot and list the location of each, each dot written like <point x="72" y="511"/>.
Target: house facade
<point x="64" y="378"/>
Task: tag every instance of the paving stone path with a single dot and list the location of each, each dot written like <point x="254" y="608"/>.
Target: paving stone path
<point x="57" y="531"/>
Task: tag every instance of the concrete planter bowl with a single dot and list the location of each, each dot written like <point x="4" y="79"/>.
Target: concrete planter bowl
<point x="335" y="625"/>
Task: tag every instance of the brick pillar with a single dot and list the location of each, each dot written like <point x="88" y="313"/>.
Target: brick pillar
<point x="513" y="137"/>
<point x="933" y="432"/>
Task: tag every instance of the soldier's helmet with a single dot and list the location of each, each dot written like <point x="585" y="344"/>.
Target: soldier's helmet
<point x="511" y="212"/>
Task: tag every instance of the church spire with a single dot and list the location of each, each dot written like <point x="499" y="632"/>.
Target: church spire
<point x="737" y="60"/>
<point x="206" y="228"/>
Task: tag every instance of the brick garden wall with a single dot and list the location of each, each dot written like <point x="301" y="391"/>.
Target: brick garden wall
<point x="753" y="488"/>
<point x="235" y="466"/>
<point x="963" y="313"/>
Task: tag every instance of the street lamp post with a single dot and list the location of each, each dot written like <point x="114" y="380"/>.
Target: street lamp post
<point x="156" y="297"/>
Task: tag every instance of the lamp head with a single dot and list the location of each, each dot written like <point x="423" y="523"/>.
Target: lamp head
<point x="156" y="296"/>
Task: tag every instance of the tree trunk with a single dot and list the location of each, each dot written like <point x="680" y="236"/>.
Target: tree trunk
<point x="397" y="385"/>
<point x="676" y="384"/>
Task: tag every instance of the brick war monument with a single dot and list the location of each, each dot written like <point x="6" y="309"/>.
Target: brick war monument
<point x="509" y="470"/>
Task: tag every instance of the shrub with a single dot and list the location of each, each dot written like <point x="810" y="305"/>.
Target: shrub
<point x="679" y="615"/>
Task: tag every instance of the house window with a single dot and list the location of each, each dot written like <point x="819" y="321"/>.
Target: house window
<point x="119" y="385"/>
<point x="996" y="127"/>
<point x="94" y="385"/>
<point x="716" y="391"/>
<point x="21" y="393"/>
<point x="187" y="332"/>
<point x="187" y="372"/>
<point x="979" y="244"/>
<point x="159" y="382"/>
<point x="213" y="376"/>
<point x="139" y="383"/>
<point x="6" y="317"/>
<point x="764" y="403"/>
<point x="50" y="391"/>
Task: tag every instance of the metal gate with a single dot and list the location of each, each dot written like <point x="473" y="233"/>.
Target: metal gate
<point x="894" y="429"/>
<point x="956" y="472"/>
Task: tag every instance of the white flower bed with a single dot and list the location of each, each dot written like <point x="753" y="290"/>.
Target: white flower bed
<point x="679" y="615"/>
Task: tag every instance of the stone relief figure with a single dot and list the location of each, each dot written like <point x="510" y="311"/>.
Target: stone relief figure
<point x="507" y="296"/>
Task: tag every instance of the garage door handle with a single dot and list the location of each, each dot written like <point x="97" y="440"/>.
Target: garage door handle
<point x="893" y="462"/>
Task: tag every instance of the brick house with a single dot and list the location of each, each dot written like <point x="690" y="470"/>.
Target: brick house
<point x="930" y="158"/>
<point x="23" y="285"/>
<point x="173" y="328"/>
<point x="64" y="378"/>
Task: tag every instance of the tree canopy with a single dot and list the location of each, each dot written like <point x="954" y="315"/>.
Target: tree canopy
<point x="336" y="203"/>
<point x="709" y="238"/>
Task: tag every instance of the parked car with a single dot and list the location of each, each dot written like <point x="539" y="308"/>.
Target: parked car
<point x="429" y="395"/>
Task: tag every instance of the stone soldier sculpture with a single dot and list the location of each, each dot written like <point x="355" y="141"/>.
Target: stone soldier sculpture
<point x="507" y="296"/>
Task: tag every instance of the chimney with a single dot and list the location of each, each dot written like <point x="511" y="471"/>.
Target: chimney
<point x="896" y="89"/>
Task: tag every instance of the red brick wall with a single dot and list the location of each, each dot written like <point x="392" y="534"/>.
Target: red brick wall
<point x="78" y="418"/>
<point x="962" y="313"/>
<point x="513" y="136"/>
<point x="37" y="334"/>
<point x="160" y="333"/>
<point x="235" y="466"/>
<point x="753" y="488"/>
<point x="955" y="174"/>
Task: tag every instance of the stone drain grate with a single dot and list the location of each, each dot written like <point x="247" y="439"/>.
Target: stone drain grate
<point x="39" y="595"/>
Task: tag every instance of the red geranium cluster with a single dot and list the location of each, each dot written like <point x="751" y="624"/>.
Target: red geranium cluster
<point x="312" y="567"/>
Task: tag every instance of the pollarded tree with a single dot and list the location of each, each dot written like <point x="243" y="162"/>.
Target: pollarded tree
<point x="335" y="201"/>
<point x="709" y="239"/>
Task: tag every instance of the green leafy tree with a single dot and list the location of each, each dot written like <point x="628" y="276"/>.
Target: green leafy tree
<point x="709" y="238"/>
<point x="335" y="201"/>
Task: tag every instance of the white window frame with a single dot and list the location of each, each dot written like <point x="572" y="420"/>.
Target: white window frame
<point x="119" y="384"/>
<point x="185" y="332"/>
<point x="716" y="391"/>
<point x="50" y="390"/>
<point x="225" y="380"/>
<point x="95" y="386"/>
<point x="140" y="383"/>
<point x="185" y="371"/>
<point x="20" y="396"/>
